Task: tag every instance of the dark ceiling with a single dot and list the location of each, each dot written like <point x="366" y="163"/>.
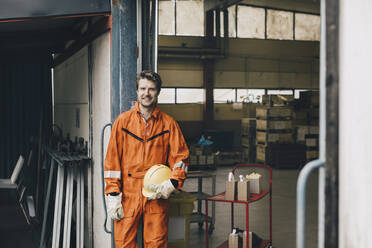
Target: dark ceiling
<point x="41" y="34"/>
<point x="45" y="25"/>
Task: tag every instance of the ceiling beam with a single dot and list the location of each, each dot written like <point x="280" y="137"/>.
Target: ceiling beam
<point x="218" y="4"/>
<point x="94" y="31"/>
<point x="311" y="7"/>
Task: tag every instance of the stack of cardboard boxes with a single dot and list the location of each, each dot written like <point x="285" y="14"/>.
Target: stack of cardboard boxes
<point x="273" y="126"/>
<point x="306" y="122"/>
<point x="202" y="157"/>
<point x="248" y="139"/>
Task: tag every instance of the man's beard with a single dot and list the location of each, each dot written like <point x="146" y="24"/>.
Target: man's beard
<point x="149" y="105"/>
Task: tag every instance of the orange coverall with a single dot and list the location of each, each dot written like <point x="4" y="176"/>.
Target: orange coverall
<point x="135" y="146"/>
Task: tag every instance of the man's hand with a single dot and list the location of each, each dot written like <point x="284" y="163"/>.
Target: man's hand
<point x="114" y="207"/>
<point x="162" y="190"/>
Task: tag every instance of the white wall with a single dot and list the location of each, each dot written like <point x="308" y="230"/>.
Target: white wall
<point x="355" y="216"/>
<point x="71" y="95"/>
<point x="101" y="109"/>
<point x="71" y="92"/>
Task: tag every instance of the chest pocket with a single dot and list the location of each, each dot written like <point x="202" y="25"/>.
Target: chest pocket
<point x="158" y="135"/>
<point x="159" y="142"/>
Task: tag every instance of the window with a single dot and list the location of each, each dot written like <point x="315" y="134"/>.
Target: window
<point x="167" y="95"/>
<point x="250" y="95"/>
<point x="224" y="95"/>
<point x="280" y="92"/>
<point x="166" y="17"/>
<point x="307" y="27"/>
<point x="190" y="95"/>
<point x="221" y="24"/>
<point x="196" y="95"/>
<point x="181" y="95"/>
<point x="297" y="93"/>
<point x="251" y="22"/>
<point x="190" y="17"/>
<point x="186" y="17"/>
<point x="279" y="25"/>
<point x="232" y="21"/>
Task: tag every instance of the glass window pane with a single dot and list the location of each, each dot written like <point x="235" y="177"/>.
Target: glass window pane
<point x="223" y="95"/>
<point x="221" y="23"/>
<point x="280" y="92"/>
<point x="251" y="22"/>
<point x="250" y="95"/>
<point x="185" y="95"/>
<point x="279" y="25"/>
<point x="166" y="17"/>
<point x="232" y="24"/>
<point x="307" y="27"/>
<point x="297" y="93"/>
<point x="167" y="95"/>
<point x="190" y="17"/>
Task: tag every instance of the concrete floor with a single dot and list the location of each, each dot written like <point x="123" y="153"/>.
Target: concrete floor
<point x="13" y="226"/>
<point x="283" y="211"/>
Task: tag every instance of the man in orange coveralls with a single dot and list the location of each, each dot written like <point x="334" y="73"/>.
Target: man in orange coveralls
<point x="140" y="138"/>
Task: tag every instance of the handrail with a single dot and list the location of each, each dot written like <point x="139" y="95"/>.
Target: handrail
<point x="301" y="200"/>
<point x="103" y="185"/>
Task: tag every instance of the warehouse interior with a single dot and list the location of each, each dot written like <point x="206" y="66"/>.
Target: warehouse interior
<point x="240" y="77"/>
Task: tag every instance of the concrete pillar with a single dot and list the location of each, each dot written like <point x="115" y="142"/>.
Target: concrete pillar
<point x="355" y="170"/>
<point x="124" y="56"/>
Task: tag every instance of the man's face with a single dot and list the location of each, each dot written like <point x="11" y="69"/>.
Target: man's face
<point x="147" y="93"/>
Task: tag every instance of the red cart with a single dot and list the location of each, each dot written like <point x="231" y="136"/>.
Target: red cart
<point x="253" y="198"/>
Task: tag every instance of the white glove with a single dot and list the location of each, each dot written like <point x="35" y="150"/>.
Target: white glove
<point x="114" y="207"/>
<point x="162" y="190"/>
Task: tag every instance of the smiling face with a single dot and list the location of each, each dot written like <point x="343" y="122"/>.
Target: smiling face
<point x="147" y="93"/>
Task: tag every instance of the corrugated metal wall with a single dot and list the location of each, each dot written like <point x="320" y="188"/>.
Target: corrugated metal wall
<point x="25" y="103"/>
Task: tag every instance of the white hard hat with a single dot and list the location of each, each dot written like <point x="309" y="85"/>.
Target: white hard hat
<point x="155" y="175"/>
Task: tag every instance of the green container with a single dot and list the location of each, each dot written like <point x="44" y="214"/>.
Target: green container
<point x="181" y="206"/>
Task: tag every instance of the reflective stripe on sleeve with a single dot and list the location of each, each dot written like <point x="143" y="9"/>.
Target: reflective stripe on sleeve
<point x="112" y="174"/>
<point x="182" y="165"/>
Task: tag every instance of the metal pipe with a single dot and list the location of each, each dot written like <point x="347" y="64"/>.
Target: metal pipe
<point x="46" y="204"/>
<point x="103" y="187"/>
<point x="78" y="207"/>
<point x="81" y="207"/>
<point x="156" y="35"/>
<point x="301" y="201"/>
<point x="58" y="204"/>
<point x="103" y="176"/>
<point x="322" y="125"/>
<point x="190" y="56"/>
<point x="139" y="35"/>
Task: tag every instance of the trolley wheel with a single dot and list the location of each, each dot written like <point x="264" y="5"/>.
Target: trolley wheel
<point x="211" y="229"/>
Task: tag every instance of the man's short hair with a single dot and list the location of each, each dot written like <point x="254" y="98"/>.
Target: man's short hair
<point x="151" y="76"/>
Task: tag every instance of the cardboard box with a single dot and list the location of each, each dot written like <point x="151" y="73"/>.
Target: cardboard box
<point x="243" y="190"/>
<point x="202" y="159"/>
<point x="199" y="152"/>
<point x="231" y="190"/>
<point x="255" y="182"/>
<point x="245" y="239"/>
<point x="210" y="159"/>
<point x="233" y="240"/>
<point x="193" y="159"/>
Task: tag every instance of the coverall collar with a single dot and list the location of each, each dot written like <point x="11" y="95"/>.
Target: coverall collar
<point x="154" y="114"/>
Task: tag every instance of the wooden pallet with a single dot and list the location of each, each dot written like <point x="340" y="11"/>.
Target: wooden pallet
<point x="273" y="125"/>
<point x="290" y="156"/>
<point x="265" y="113"/>
<point x="266" y="138"/>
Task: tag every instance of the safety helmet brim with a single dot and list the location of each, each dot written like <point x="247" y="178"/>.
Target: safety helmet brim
<point x="155" y="175"/>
